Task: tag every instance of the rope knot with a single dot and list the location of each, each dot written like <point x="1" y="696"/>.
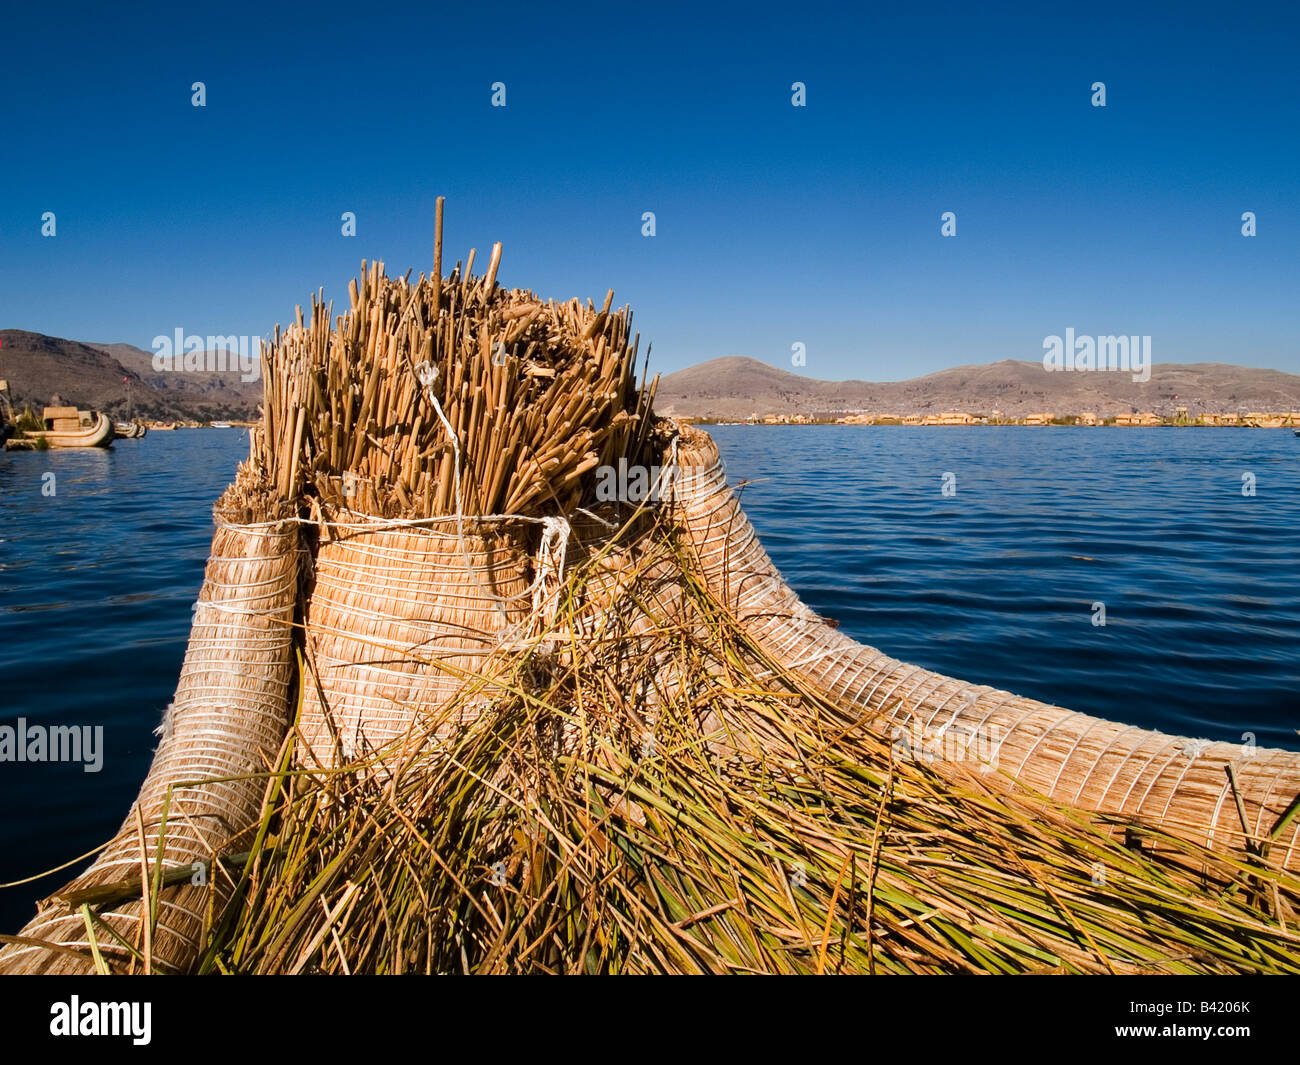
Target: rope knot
<point x="549" y="579"/>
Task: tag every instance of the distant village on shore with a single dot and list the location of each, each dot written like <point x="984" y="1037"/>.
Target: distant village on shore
<point x="740" y="390"/>
<point x="1253" y="419"/>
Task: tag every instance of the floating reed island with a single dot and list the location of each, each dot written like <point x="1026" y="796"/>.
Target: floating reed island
<point x="447" y="707"/>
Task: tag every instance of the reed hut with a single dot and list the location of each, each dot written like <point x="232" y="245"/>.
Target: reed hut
<point x="445" y="708"/>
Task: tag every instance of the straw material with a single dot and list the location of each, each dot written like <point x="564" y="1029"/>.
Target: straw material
<point x="398" y="621"/>
<point x="588" y="818"/>
<point x="226" y="724"/>
<point x="1177" y="783"/>
<point x="448" y="397"/>
<point x="435" y="398"/>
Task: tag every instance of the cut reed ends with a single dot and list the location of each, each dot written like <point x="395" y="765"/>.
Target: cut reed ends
<point x="433" y="397"/>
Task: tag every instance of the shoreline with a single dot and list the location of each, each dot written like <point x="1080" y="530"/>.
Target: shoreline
<point x="978" y="425"/>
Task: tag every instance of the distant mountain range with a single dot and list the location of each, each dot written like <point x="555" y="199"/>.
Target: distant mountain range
<point x="90" y="376"/>
<point x="734" y="388"/>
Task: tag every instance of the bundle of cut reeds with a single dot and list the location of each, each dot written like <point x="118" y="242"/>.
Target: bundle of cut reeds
<point x="423" y="387"/>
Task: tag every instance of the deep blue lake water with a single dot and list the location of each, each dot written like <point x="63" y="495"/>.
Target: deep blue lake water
<point x="994" y="583"/>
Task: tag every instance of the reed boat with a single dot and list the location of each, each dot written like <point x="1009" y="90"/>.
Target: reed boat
<point x="129" y="430"/>
<point x="7" y="427"/>
<point x="70" y="427"/>
<point x="448" y="706"/>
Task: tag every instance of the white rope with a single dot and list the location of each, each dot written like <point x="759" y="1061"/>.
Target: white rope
<point x="376" y="523"/>
<point x="233" y="608"/>
<point x="428" y="374"/>
<point x="254" y="526"/>
<point x="551" y="556"/>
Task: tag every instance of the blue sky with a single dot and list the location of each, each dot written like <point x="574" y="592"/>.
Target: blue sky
<point x="775" y="224"/>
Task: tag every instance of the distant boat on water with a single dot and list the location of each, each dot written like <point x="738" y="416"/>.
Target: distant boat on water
<point x="70" y="427"/>
<point x="129" y="430"/>
<point x="220" y="425"/>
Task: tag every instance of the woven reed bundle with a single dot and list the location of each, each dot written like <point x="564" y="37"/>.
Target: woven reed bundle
<point x="398" y="621"/>
<point x="1177" y="783"/>
<point x="228" y="720"/>
<point x="427" y="399"/>
<point x="403" y="621"/>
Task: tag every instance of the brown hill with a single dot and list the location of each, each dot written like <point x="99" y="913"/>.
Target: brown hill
<point x="90" y="376"/>
<point x="736" y="387"/>
<point x="208" y="390"/>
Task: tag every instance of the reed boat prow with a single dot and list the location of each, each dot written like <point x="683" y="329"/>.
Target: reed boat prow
<point x="1184" y="785"/>
<point x="70" y="427"/>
